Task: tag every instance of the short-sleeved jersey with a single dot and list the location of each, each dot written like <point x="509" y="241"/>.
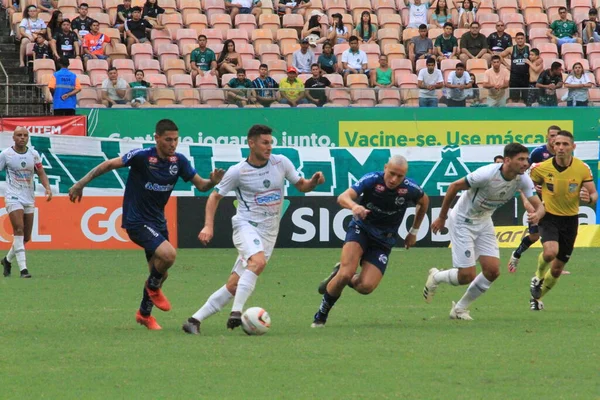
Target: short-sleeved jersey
<point x="20" y="168"/>
<point x="539" y="154"/>
<point x="149" y="185"/>
<point x="259" y="190"/>
<point x="83" y="26"/>
<point x="561" y="185"/>
<point x="488" y="191"/>
<point x="65" y="43"/>
<point x="203" y="59"/>
<point x="387" y="206"/>
<point x="562" y="29"/>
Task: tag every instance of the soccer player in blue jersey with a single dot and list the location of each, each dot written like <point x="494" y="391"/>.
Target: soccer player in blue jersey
<point x="152" y="177"/>
<point x="539" y="154"/>
<point x="373" y="231"/>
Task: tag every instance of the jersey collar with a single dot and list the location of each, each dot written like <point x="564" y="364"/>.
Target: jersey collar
<point x="256" y="166"/>
<point x="560" y="168"/>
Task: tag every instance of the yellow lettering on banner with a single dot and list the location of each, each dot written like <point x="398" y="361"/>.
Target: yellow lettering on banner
<point x="510" y="236"/>
<point x="444" y="133"/>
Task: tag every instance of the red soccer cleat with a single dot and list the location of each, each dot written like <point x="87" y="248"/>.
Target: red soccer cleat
<point x="149" y="321"/>
<point x="158" y="299"/>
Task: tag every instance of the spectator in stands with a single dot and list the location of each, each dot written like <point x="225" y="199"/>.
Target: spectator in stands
<point x="94" y="45"/>
<point x="466" y="12"/>
<point x="136" y="28"/>
<point x="64" y="86"/>
<point x="473" y="45"/>
<point x="590" y="27"/>
<point x="458" y="84"/>
<point x="496" y="81"/>
<point x="292" y="89"/>
<point x="338" y="30"/>
<point x="535" y="68"/>
<point x="114" y="89"/>
<point x="519" y="67"/>
<point x="240" y="89"/>
<point x="139" y="90"/>
<point x="47" y="5"/>
<point x="313" y="31"/>
<point x="420" y="47"/>
<point x="65" y="42"/>
<point x="266" y="87"/>
<point x="550" y="80"/>
<point x="315" y="86"/>
<point x="151" y="11"/>
<point x="354" y="60"/>
<point x="82" y="24"/>
<point x="441" y="15"/>
<point x="14" y="7"/>
<point x="54" y="24"/>
<point x="579" y="85"/>
<point x="202" y="60"/>
<point x="293" y="7"/>
<point x="40" y="49"/>
<point x="499" y="41"/>
<point x="498" y="159"/>
<point x="365" y="30"/>
<point x="428" y="80"/>
<point x="382" y="76"/>
<point x="124" y="12"/>
<point x="446" y="45"/>
<point x="229" y="60"/>
<point x="327" y="60"/>
<point x="417" y="13"/>
<point x="563" y="30"/>
<point x="30" y="27"/>
<point x="473" y="94"/>
<point x="236" y="7"/>
<point x="303" y="58"/>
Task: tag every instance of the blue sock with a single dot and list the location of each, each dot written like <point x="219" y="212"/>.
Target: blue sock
<point x="146" y="304"/>
<point x="525" y="243"/>
<point x="155" y="279"/>
<point x="326" y="304"/>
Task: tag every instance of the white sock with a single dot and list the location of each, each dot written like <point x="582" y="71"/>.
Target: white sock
<point x="244" y="290"/>
<point x="478" y="287"/>
<point x="10" y="257"/>
<point x="19" y="246"/>
<point x="214" y="304"/>
<point x="447" y="276"/>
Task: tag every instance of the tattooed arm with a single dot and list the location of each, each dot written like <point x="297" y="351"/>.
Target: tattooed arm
<point x="76" y="191"/>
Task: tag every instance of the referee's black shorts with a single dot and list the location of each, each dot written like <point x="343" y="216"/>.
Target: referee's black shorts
<point x="561" y="229"/>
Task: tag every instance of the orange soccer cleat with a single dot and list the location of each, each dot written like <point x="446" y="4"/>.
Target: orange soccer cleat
<point x="158" y="299"/>
<point x="148" y="321"/>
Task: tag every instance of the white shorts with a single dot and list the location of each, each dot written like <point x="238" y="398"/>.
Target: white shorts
<point x="470" y="241"/>
<point x="17" y="205"/>
<point x="249" y="241"/>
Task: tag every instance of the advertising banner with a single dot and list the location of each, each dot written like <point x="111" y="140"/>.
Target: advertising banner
<point x="49" y="125"/>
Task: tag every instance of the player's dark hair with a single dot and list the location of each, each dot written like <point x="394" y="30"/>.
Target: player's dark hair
<point x="520" y="34"/>
<point x="498" y="157"/>
<point x="422" y="26"/>
<point x="202" y="37"/>
<point x="450" y="25"/>
<point x="263" y="66"/>
<point x="566" y="134"/>
<point x="555" y="65"/>
<point x="257" y="130"/>
<point x="512" y="149"/>
<point x="496" y="57"/>
<point x="165" y="125"/>
<point x="562" y="9"/>
<point x="353" y="39"/>
<point x="474" y="23"/>
<point x="535" y="51"/>
<point x="460" y="65"/>
<point x="84" y="5"/>
<point x="554" y="128"/>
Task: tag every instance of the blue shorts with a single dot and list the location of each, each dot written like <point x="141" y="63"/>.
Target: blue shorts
<point x="148" y="238"/>
<point x="373" y="251"/>
<point x="245" y="10"/>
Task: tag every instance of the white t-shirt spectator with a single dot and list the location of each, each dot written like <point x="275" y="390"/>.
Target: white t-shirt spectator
<point x="457" y="94"/>
<point x="417" y="15"/>
<point x="112" y="90"/>
<point x="339" y="32"/>
<point x="302" y="62"/>
<point x="354" y="60"/>
<point x="577" y="94"/>
<point x="429" y="79"/>
<point x="31" y="26"/>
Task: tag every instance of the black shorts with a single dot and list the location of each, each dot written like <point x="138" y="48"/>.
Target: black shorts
<point x="561" y="229"/>
<point x="64" y="111"/>
<point x="148" y="238"/>
<point x="518" y="91"/>
<point x="456" y="103"/>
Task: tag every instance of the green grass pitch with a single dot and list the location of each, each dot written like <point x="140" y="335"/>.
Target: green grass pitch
<point x="70" y="333"/>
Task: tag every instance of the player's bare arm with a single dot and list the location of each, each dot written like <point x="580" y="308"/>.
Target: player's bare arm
<point x="453" y="190"/>
<point x="204" y="185"/>
<point x="420" y="211"/>
<point x="45" y="182"/>
<point x="76" y="191"/>
<point x="309" y="185"/>
<point x="348" y="200"/>
<point x="528" y="206"/>
<point x="588" y="193"/>
<point x="537" y="211"/>
<point x="207" y="233"/>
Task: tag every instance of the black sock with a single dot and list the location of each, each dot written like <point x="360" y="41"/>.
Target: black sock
<point x="146" y="304"/>
<point x="155" y="279"/>
<point x="327" y="303"/>
<point x="525" y="243"/>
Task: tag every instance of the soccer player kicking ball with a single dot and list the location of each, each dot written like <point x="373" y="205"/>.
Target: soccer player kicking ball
<point x="565" y="180"/>
<point x="20" y="162"/>
<point x="373" y="231"/>
<point x="152" y="176"/>
<point x="472" y="230"/>
<point x="259" y="184"/>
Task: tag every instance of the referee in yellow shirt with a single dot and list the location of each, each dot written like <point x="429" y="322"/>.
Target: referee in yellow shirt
<point x="565" y="180"/>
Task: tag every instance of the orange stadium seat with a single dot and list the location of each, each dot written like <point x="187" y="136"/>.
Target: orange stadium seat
<point x="269" y="21"/>
<point x="214" y="36"/>
<point x="189" y="7"/>
<point x="124" y="66"/>
<point x="157" y="80"/>
<point x="198" y="22"/>
<point x="76" y="66"/>
<point x="188" y="97"/>
<point x="87" y="97"/>
<point x="251" y="66"/>
<point x="394" y="51"/>
<point x="213" y="97"/>
<point x="163" y="97"/>
<point x="172" y="22"/>
<point x="238" y="36"/>
<point x="276" y="67"/>
<point x="387" y="36"/>
<point x="221" y="22"/>
<point x="260" y="37"/>
<point x="159" y="37"/>
<point x="212" y="7"/>
<point x="180" y="81"/>
<point x="389" y="97"/>
<point x="207" y="81"/>
<point x="175" y="67"/>
<point x="141" y="51"/>
<point x="149" y="66"/>
<point x="245" y="22"/>
<point x="84" y="80"/>
<point x="363" y="97"/>
<point x="536" y="20"/>
<point x="167" y="52"/>
<point x="384" y="7"/>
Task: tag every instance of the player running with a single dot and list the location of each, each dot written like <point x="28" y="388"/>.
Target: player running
<point x="373" y="231"/>
<point x="152" y="176"/>
<point x="539" y="154"/>
<point x="565" y="180"/>
<point x="471" y="228"/>
<point x="259" y="184"/>
<point x="20" y="162"/>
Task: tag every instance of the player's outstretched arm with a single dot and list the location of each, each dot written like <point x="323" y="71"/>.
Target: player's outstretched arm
<point x="453" y="190"/>
<point x="207" y="233"/>
<point x="537" y="211"/>
<point x="45" y="182"/>
<point x="204" y="185"/>
<point x="76" y="191"/>
<point x="348" y="200"/>
<point x="309" y="185"/>
<point x="421" y="210"/>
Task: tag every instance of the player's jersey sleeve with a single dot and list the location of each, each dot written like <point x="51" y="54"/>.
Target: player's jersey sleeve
<point x="479" y="177"/>
<point x="291" y="174"/>
<point x="133" y="158"/>
<point x="536" y="174"/>
<point x="2" y="160"/>
<point x="365" y="183"/>
<point x="186" y="171"/>
<point x="416" y="192"/>
<point x="229" y="182"/>
<point x="586" y="173"/>
<point x="526" y="186"/>
<point x="37" y="160"/>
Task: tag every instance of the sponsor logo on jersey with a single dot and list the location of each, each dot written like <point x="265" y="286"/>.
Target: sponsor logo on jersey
<point x="402" y="191"/>
<point x="379" y="188"/>
<point x="256" y="242"/>
<point x="399" y="201"/>
<point x="155" y="187"/>
<point x="270" y="198"/>
<point x="173" y="169"/>
<point x="152" y="160"/>
<point x="267" y="183"/>
<point x="468" y="253"/>
<point x="23" y="164"/>
<point x="383" y="259"/>
<point x="173" y="159"/>
<point x="573" y="187"/>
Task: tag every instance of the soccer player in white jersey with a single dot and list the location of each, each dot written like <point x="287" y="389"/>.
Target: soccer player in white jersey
<point x="471" y="228"/>
<point x="20" y="162"/>
<point x="259" y="184"/>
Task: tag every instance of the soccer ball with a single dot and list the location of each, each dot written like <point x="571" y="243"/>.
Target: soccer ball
<point x="256" y="321"/>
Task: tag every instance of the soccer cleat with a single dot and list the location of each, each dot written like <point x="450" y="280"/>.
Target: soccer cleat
<point x="536" y="287"/>
<point x="25" y="274"/>
<point x="459" y="313"/>
<point x="536" y="305"/>
<point x="7" y="266"/>
<point x="325" y="282"/>
<point x="158" y="299"/>
<point x="319" y="321"/>
<point x="430" y="285"/>
<point x="513" y="263"/>
<point x="148" y="321"/>
<point x="191" y="326"/>
<point x="235" y="320"/>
